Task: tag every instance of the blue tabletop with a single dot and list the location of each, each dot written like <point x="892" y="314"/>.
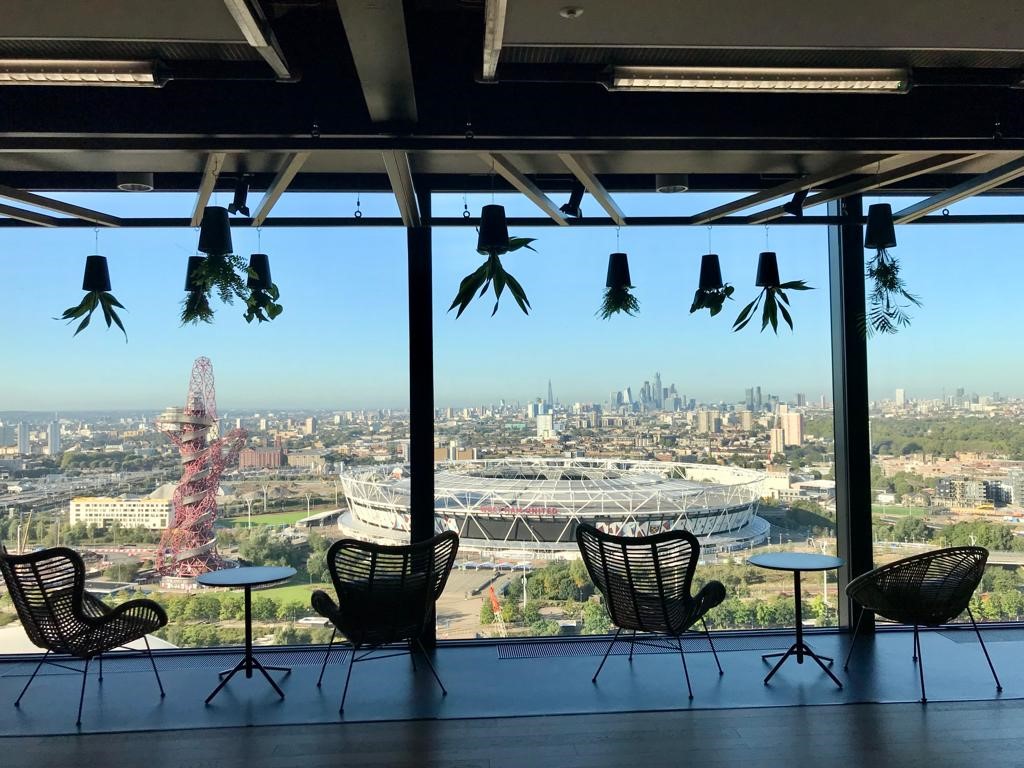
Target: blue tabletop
<point x="796" y="561"/>
<point x="251" y="576"/>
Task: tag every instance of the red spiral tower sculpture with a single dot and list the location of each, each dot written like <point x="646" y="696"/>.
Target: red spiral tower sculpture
<point x="189" y="547"/>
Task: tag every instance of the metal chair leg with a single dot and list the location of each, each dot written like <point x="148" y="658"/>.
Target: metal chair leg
<point x="920" y="662"/>
<point x="444" y="691"/>
<point x="42" y="661"/>
<point x="100" y="657"/>
<point x="999" y="687"/>
<point x="81" y="697"/>
<point x="603" y="660"/>
<point x="326" y="657"/>
<point x="348" y="677"/>
<point x="149" y="652"/>
<point x="713" y="651"/>
<point x="853" y="642"/>
<point x="412" y="656"/>
<point x="632" y="640"/>
<point x="686" y="672"/>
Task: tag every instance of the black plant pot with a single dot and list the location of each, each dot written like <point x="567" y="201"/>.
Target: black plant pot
<point x="194" y="264"/>
<point x="260" y="264"/>
<point x="880" y="230"/>
<point x="767" y="270"/>
<point x="493" y="230"/>
<point x="710" y="273"/>
<point x="618" y="271"/>
<point x="215" y="231"/>
<point x="97" y="276"/>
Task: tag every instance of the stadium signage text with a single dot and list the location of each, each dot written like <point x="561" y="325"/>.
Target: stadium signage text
<point x="520" y="510"/>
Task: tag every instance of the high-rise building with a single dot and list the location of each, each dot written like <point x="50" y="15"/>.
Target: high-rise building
<point x="746" y="420"/>
<point x="546" y="426"/>
<point x="757" y="399"/>
<point x="778" y="441"/>
<point x="658" y="395"/>
<point x="901" y="398"/>
<point x="748" y="397"/>
<point x="551" y="397"/>
<point x="309" y="428"/>
<point x="801" y="399"/>
<point x="531" y="410"/>
<point x="793" y="428"/>
<point x="23" y="445"/>
<point x="53" y="438"/>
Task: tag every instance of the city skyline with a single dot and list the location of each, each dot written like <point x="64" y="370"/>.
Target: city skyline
<point x="342" y="341"/>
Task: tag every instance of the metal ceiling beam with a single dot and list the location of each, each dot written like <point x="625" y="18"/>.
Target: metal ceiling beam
<point x="284" y="177"/>
<point x="520" y="181"/>
<point x="908" y="169"/>
<point x="594" y="187"/>
<point x="30" y="217"/>
<point x="969" y="188"/>
<point x="396" y="164"/>
<point x="379" y="45"/>
<point x="852" y="165"/>
<point x="259" y="35"/>
<point x="494" y="34"/>
<point x="48" y="204"/>
<point x="214" y="163"/>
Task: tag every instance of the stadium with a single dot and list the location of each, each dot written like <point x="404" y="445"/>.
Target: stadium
<point x="530" y="507"/>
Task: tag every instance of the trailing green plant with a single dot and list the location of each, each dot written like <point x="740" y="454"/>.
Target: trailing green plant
<point x="886" y="313"/>
<point x="775" y="303"/>
<point x="617" y="299"/>
<point x="711" y="299"/>
<point x="492" y="272"/>
<point x="261" y="304"/>
<point x="195" y="308"/>
<point x="90" y="302"/>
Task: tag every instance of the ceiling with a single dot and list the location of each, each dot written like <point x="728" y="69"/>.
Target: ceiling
<point x="317" y="93"/>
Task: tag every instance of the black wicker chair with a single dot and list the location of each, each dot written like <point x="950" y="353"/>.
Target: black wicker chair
<point x="386" y="595"/>
<point x="646" y="586"/>
<point x="48" y="591"/>
<point x="924" y="590"/>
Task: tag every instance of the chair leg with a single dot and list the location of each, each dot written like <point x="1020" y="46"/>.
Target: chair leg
<point x="412" y="656"/>
<point x="609" y="650"/>
<point x="326" y="657"/>
<point x="100" y="657"/>
<point x="81" y="697"/>
<point x="686" y="672"/>
<point x="149" y="652"/>
<point x="920" y="662"/>
<point x="344" y="693"/>
<point x="713" y="651"/>
<point x="853" y="642"/>
<point x="999" y="687"/>
<point x="632" y="640"/>
<point x="42" y="661"/>
<point x="426" y="658"/>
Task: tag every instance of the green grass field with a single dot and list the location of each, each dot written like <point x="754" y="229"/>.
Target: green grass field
<point x="272" y="518"/>
<point x="290" y="592"/>
<point x="891" y="510"/>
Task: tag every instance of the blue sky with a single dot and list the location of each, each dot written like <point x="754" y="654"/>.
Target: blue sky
<point x="342" y="340"/>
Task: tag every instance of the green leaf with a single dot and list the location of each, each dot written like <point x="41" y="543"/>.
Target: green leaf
<point x="83" y="324"/>
<point x="747" y="313"/>
<point x="786" y="316"/>
<point x="796" y="285"/>
<point x="515" y="243"/>
<point x="273" y="310"/>
<point x="518" y="293"/>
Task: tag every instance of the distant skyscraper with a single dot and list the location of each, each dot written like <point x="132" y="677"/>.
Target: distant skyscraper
<point x="546" y="426"/>
<point x="551" y="396"/>
<point x="901" y="398"/>
<point x="778" y="441"/>
<point x="748" y="397"/>
<point x="531" y="410"/>
<point x="23" y="445"/>
<point x="658" y="395"/>
<point x="53" y="437"/>
<point x="801" y="399"/>
<point x="309" y="427"/>
<point x="793" y="428"/>
<point x="757" y="398"/>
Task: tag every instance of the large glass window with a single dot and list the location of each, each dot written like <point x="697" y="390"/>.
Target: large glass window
<point x="318" y="392"/>
<point x="635" y="424"/>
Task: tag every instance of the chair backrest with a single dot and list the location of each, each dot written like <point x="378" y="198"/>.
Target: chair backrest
<point x="645" y="580"/>
<point x="47" y="589"/>
<point x="386" y="593"/>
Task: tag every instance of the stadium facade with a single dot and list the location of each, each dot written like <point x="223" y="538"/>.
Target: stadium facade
<point x="531" y="506"/>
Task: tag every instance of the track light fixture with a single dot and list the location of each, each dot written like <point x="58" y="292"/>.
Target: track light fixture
<point x="572" y="208"/>
<point x="759" y="80"/>
<point x="238" y="204"/>
<point x="78" y="72"/>
<point x="795" y="207"/>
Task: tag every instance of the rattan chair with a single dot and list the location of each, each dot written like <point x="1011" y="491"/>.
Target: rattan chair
<point x="646" y="586"/>
<point x="386" y="595"/>
<point x="48" y="591"/>
<point x="924" y="590"/>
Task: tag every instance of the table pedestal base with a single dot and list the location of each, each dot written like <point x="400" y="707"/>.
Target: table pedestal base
<point x="247" y="664"/>
<point x="800" y="649"/>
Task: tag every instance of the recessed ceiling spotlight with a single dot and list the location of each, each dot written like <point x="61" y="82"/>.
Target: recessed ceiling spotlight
<point x="135" y="182"/>
<point x="571" y="12"/>
<point x="672" y="182"/>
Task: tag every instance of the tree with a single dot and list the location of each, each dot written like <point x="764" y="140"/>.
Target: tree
<point x="264" y="608"/>
<point x="486" y="612"/>
<point x="316" y="562"/>
<point x="911" y="528"/>
<point x="595" y="619"/>
<point x="292" y="610"/>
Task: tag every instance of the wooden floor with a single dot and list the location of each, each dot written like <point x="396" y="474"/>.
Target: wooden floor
<point x="989" y="734"/>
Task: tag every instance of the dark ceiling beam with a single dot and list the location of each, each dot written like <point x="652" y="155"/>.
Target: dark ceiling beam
<point x="969" y="188"/>
<point x="29" y="217"/>
<point x="284" y="177"/>
<point x="211" y="170"/>
<point x="845" y="168"/>
<point x="594" y="187"/>
<point x="380" y="49"/>
<point x="48" y="204"/>
<point x="908" y="168"/>
<point x="259" y="35"/>
<point x="400" y="175"/>
<point x="504" y="168"/>
<point x="494" y="33"/>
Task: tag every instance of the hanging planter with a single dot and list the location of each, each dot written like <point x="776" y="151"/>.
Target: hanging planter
<point x="711" y="291"/>
<point x="263" y="294"/>
<point x="96" y="284"/>
<point x="617" y="296"/>
<point x="886" y="310"/>
<point x="773" y="292"/>
<point x="493" y="241"/>
<point x="195" y="308"/>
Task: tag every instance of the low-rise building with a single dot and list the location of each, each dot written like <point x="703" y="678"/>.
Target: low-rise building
<point x="129" y="512"/>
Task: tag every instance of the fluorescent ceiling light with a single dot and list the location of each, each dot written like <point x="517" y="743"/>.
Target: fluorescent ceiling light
<point x="754" y="79"/>
<point x="77" y="72"/>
